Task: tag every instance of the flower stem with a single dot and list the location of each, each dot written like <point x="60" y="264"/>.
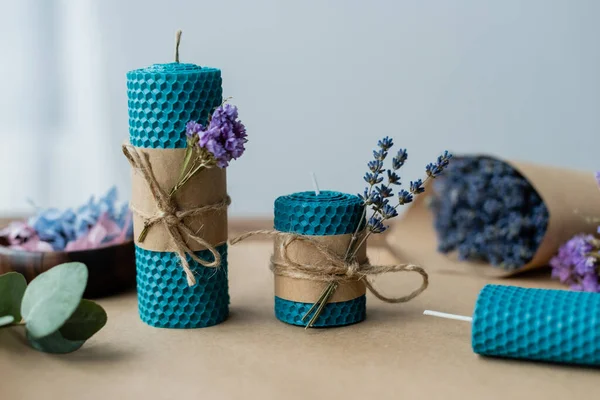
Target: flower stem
<point x="187" y="177"/>
<point x="329" y="291"/>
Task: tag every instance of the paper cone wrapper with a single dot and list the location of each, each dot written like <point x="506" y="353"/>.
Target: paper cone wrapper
<point x="205" y="188"/>
<point x="571" y="197"/>
<point x="307" y="291"/>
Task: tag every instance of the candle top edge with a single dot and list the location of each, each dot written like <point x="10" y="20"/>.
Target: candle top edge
<point x="173" y="68"/>
<point x="324" y="195"/>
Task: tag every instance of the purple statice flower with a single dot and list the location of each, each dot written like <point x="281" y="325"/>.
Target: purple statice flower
<point x="576" y="265"/>
<point x="598" y="178"/>
<point x="224" y="137"/>
<point x="193" y="129"/>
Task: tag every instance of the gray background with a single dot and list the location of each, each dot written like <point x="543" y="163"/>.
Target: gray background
<point x="317" y="83"/>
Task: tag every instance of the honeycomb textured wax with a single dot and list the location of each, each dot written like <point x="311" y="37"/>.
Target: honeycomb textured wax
<point x="329" y="213"/>
<point x="166" y="301"/>
<point x="537" y="324"/>
<point x="334" y="314"/>
<point x="164" y="97"/>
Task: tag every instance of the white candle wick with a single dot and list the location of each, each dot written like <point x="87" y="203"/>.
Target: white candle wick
<point x="448" y="316"/>
<point x="315" y="183"/>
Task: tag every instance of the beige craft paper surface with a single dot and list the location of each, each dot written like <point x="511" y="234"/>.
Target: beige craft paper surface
<point x="306" y="291"/>
<point x="396" y="353"/>
<point x="207" y="187"/>
<point x="572" y="198"/>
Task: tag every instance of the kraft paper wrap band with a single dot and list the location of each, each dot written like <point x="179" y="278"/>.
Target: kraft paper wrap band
<point x="572" y="198"/>
<point x="307" y="291"/>
<point x="205" y="188"/>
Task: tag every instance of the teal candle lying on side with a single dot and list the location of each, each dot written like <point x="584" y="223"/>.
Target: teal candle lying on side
<point x="331" y="218"/>
<point x="537" y="324"/>
<point x="162" y="99"/>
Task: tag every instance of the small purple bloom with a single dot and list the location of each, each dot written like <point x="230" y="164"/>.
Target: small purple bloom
<point x="375" y="225"/>
<point x="574" y="264"/>
<point x="404" y="197"/>
<point x="598" y="178"/>
<point x="192" y="129"/>
<point x="224" y="137"/>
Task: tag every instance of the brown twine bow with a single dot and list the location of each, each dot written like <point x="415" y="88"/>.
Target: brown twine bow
<point x="335" y="269"/>
<point x="171" y="217"/>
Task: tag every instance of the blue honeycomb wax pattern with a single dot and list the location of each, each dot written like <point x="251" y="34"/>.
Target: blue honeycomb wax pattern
<point x="334" y="314"/>
<point x="537" y="324"/>
<point x="163" y="98"/>
<point x="329" y="213"/>
<point x="166" y="301"/>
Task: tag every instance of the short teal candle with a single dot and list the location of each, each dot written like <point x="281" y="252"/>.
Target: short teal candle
<point x="329" y="213"/>
<point x="162" y="99"/>
<point x="537" y="324"/>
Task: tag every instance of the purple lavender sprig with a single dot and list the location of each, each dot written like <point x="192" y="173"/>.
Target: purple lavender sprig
<point x="377" y="197"/>
<point x="577" y="263"/>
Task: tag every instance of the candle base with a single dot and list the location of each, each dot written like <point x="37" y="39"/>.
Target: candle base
<point x="334" y="314"/>
<point x="166" y="301"/>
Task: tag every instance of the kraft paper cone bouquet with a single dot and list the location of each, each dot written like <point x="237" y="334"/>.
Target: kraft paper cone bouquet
<point x="500" y="217"/>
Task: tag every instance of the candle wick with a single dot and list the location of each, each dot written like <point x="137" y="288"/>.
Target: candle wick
<point x="177" y="41"/>
<point x="448" y="316"/>
<point x="315" y="183"/>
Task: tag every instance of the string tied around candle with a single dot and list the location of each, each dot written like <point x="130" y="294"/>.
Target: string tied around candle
<point x="336" y="268"/>
<point x="171" y="217"/>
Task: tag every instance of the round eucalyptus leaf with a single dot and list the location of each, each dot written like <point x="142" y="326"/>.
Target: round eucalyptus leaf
<point x="6" y="320"/>
<point x="52" y="297"/>
<point x="54" y="343"/>
<point x="12" y="287"/>
<point x="87" y="319"/>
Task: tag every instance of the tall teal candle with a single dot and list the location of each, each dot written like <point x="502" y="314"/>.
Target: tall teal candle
<point x="326" y="214"/>
<point x="537" y="324"/>
<point x="162" y="99"/>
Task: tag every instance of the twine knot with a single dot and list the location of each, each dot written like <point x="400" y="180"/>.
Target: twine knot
<point x="172" y="218"/>
<point x="168" y="216"/>
<point x="335" y="268"/>
<point x="352" y="268"/>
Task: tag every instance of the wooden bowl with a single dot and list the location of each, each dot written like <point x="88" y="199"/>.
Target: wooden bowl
<point x="111" y="269"/>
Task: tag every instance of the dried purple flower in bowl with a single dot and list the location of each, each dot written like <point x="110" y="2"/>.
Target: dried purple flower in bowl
<point x="98" y="234"/>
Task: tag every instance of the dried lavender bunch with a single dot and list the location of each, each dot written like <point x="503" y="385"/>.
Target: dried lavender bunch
<point x="379" y="203"/>
<point x="487" y="211"/>
<point x="577" y="263"/>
